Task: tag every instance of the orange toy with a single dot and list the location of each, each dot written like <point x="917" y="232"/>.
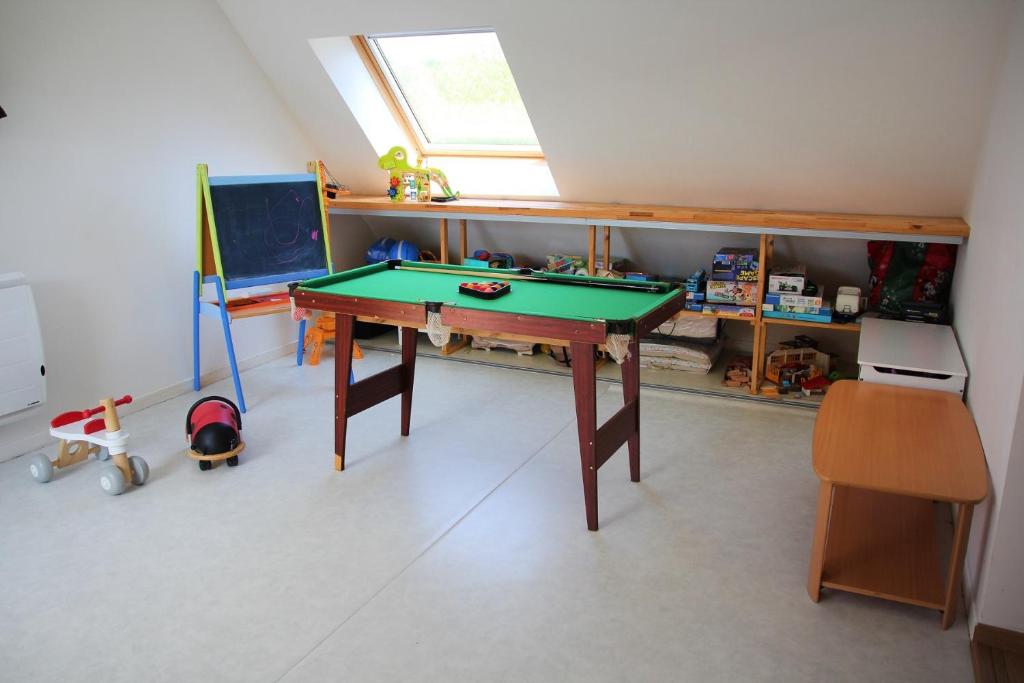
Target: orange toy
<point x="315" y="338"/>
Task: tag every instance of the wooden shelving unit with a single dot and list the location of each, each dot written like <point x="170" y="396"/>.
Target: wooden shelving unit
<point x="766" y="224"/>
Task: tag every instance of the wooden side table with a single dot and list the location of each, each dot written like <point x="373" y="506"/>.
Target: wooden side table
<point x="885" y="455"/>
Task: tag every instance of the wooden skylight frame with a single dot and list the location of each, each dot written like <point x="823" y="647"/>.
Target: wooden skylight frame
<point x="404" y="116"/>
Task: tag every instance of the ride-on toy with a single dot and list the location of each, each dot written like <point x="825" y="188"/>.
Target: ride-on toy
<point x="212" y="428"/>
<point x="81" y="437"/>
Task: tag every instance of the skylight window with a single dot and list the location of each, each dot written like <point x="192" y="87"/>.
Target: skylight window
<point x="453" y="92"/>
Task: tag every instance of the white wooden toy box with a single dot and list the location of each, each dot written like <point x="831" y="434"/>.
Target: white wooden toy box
<point x="919" y="355"/>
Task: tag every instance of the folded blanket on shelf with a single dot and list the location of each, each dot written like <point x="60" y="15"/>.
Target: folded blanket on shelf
<point x="488" y="343"/>
<point x="698" y="330"/>
<point x="675" y="355"/>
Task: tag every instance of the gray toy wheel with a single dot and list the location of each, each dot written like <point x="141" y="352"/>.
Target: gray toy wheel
<point x="102" y="454"/>
<point x="41" y="468"/>
<point x="112" y="481"/>
<point x="140" y="470"/>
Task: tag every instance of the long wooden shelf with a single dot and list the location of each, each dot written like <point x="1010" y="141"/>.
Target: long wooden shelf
<point x="720" y="316"/>
<point x="924" y="228"/>
<point x="842" y="327"/>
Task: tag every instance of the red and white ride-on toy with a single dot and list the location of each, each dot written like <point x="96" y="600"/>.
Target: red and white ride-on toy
<point x="81" y="437"/>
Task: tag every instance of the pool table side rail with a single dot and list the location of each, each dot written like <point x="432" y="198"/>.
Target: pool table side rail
<point x="538" y="276"/>
<point x="653" y="318"/>
<point x="351" y="274"/>
<point x="373" y="310"/>
<point x="464" y="320"/>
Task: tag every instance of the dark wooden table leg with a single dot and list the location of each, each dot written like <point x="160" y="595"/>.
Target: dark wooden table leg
<point x="956" y="563"/>
<point x="631" y="392"/>
<point x="342" y="369"/>
<point x="584" y="383"/>
<point x="409" y="339"/>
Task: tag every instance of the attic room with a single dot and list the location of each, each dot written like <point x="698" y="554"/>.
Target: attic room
<point x="708" y="308"/>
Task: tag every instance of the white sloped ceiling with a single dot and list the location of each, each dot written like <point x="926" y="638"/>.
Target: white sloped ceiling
<point x="845" y="105"/>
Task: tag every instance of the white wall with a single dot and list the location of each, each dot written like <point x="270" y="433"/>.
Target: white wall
<point x="1002" y="601"/>
<point x="843" y="105"/>
<point x="990" y="329"/>
<point x="110" y="106"/>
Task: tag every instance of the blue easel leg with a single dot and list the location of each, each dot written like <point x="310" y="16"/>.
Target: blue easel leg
<point x="226" y="324"/>
<point x="302" y="339"/>
<point x="197" y="290"/>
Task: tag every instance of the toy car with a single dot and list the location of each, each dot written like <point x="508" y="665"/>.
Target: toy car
<point x="213" y="429"/>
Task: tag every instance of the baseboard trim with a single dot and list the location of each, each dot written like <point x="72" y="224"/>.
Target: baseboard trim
<point x="996" y="654"/>
<point x="13" y="448"/>
<point x="1000" y="638"/>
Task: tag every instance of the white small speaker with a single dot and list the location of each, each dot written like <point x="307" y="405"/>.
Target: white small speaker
<point x="848" y="300"/>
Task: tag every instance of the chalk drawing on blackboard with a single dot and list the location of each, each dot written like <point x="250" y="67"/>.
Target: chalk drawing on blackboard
<point x="265" y="229"/>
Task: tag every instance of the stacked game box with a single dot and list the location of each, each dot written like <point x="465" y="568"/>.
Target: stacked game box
<point x="795" y="303"/>
<point x="694" y="286"/>
<point x="787" y="280"/>
<point x="735" y="264"/>
<point x="732" y="289"/>
<point x="824" y="315"/>
<point x="786" y="298"/>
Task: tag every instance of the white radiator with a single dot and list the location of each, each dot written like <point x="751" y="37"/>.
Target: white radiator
<point x="22" y="369"/>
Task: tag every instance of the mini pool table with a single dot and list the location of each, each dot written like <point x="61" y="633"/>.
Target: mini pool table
<point x="580" y="312"/>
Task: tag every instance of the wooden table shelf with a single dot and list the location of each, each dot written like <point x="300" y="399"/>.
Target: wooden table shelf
<point x="884" y="545"/>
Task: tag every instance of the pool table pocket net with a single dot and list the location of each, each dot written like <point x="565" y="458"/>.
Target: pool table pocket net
<point x="617" y="346"/>
<point x="438" y="333"/>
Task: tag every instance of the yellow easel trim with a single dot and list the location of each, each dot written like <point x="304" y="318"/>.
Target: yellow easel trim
<point x="203" y="176"/>
<point x="199" y="218"/>
<point x="323" y="213"/>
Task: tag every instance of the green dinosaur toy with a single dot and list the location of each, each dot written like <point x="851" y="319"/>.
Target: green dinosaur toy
<point x="396" y="161"/>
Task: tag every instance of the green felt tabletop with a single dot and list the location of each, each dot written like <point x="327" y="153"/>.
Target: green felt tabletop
<point x="573" y="301"/>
